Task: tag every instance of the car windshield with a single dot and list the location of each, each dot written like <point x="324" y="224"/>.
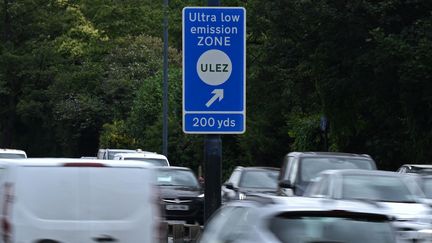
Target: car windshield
<point x="112" y="153"/>
<point x="331" y="229"/>
<point x="427" y="187"/>
<point x="311" y="167"/>
<point x="259" y="179"/>
<point x="156" y="162"/>
<point x="12" y="156"/>
<point x="376" y="188"/>
<point x="176" y="177"/>
<point x="422" y="171"/>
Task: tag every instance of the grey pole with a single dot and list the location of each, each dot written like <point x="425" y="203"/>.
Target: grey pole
<point x="165" y="81"/>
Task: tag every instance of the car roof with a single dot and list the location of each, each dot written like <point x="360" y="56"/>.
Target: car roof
<point x="426" y="166"/>
<point x="141" y="155"/>
<point x="308" y="204"/>
<point x="328" y="154"/>
<point x="362" y="172"/>
<point x="77" y="161"/>
<point x="121" y="150"/>
<point x="173" y="168"/>
<point x="16" y="151"/>
<point x="256" y="168"/>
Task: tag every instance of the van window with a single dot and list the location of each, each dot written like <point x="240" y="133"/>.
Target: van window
<point x="82" y="193"/>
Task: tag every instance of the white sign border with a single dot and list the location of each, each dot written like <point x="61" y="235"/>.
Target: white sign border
<point x="244" y="78"/>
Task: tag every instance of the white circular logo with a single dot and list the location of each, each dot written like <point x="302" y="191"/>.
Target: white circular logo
<point x="214" y="67"/>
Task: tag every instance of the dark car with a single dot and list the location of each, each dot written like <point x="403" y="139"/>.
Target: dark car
<point x="181" y="194"/>
<point x="249" y="180"/>
<point x="300" y="168"/>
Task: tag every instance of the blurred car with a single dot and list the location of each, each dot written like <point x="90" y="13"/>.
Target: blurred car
<point x="149" y="157"/>
<point x="181" y="194"/>
<point x="300" y="168"/>
<point x="55" y="200"/>
<point x="248" y="180"/>
<point x="274" y="219"/>
<point x="12" y="154"/>
<point x="394" y="194"/>
<point x="416" y="168"/>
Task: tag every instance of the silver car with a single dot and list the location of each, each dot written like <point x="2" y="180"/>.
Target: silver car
<point x="394" y="194"/>
<point x="297" y="220"/>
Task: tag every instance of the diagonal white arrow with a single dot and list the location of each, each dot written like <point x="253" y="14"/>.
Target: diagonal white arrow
<point x="218" y="94"/>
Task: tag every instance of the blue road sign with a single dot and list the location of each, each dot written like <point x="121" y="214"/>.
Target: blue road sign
<point x="214" y="70"/>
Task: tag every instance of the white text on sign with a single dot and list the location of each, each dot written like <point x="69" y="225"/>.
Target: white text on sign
<point x="213" y="122"/>
<point x="203" y="32"/>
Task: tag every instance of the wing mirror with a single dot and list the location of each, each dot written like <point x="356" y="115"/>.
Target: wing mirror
<point x="230" y="186"/>
<point x="286" y="184"/>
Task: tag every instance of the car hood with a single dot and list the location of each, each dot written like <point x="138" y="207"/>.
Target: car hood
<point x="405" y="211"/>
<point x="177" y="192"/>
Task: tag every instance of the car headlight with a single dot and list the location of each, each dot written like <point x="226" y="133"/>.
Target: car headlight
<point x="425" y="234"/>
<point x="242" y="196"/>
<point x="201" y="195"/>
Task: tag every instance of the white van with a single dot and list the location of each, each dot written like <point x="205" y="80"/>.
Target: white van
<point x="150" y="157"/>
<point x="12" y="153"/>
<point x="77" y="201"/>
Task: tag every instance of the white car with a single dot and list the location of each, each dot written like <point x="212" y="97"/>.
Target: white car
<point x="149" y="157"/>
<point x="109" y="153"/>
<point x="272" y="219"/>
<point x="392" y="193"/>
<point x="12" y="154"/>
<point x="78" y="201"/>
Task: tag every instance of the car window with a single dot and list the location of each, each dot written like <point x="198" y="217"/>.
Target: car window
<point x="259" y="179"/>
<point x="377" y="188"/>
<point x="294" y="229"/>
<point x="310" y="167"/>
<point x="235" y="177"/>
<point x="175" y="177"/>
<point x="423" y="171"/>
<point x="286" y="168"/>
<point x="293" y="171"/>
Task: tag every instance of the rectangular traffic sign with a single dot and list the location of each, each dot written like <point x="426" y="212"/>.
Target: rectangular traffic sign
<point x="214" y="70"/>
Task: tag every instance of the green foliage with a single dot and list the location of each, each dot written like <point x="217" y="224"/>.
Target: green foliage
<point x="75" y="75"/>
<point x="305" y="132"/>
<point x="114" y="135"/>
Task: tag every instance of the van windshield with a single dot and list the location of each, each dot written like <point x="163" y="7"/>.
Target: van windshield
<point x="83" y="193"/>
